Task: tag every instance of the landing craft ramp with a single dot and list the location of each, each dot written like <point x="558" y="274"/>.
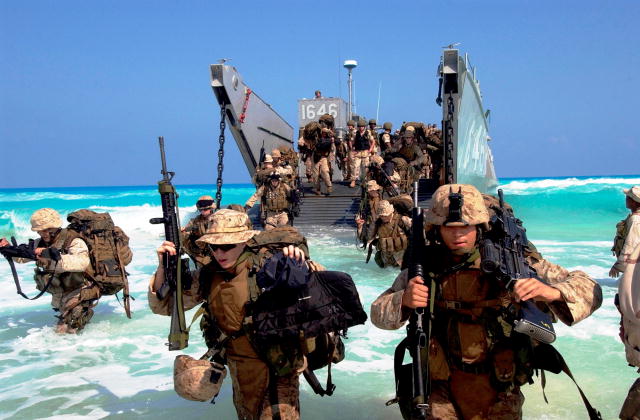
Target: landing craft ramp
<point x="257" y="129"/>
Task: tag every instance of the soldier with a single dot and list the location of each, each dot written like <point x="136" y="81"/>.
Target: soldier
<point x="389" y="234"/>
<point x="281" y="168"/>
<point x="476" y="363"/>
<point x="222" y="286"/>
<point x="196" y="228"/>
<point x="73" y="294"/>
<point x="384" y="138"/>
<point x="263" y="171"/>
<point x="361" y="146"/>
<point x="413" y="158"/>
<point x="317" y="95"/>
<point x="275" y="199"/>
<point x="321" y="164"/>
<point x="627" y="232"/>
<point x="373" y="133"/>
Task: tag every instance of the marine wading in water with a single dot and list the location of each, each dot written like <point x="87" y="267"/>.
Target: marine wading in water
<point x="76" y="265"/>
<point x="268" y="312"/>
<point x="469" y="358"/>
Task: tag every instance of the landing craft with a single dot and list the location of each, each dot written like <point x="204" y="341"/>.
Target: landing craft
<point x="257" y="129"/>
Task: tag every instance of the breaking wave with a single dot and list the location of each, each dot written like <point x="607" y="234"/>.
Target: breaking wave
<point x="587" y="185"/>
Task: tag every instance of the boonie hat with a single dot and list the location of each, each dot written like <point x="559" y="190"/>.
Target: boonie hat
<point x="227" y="227"/>
<point x="268" y="159"/>
<point x="633" y="193"/>
<point x="275" y="153"/>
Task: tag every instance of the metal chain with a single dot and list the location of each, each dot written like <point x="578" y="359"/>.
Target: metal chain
<point x="220" y="156"/>
<point x="449" y="171"/>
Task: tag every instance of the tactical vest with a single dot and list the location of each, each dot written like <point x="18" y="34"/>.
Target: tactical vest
<point x="323" y="148"/>
<point x="391" y="237"/>
<point x="45" y="270"/>
<point x="361" y="142"/>
<point x="622" y="231"/>
<point x="471" y="328"/>
<point x="275" y="199"/>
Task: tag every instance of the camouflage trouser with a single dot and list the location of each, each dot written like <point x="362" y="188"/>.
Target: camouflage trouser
<point x="308" y="167"/>
<point x="631" y="407"/>
<point x="321" y="170"/>
<point x="75" y="307"/>
<point x="284" y="403"/>
<point x="507" y="406"/>
<point x="389" y="259"/>
<point x="276" y="220"/>
<point x="358" y="158"/>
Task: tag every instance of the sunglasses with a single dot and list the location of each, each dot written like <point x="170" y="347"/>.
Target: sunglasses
<point x="223" y="248"/>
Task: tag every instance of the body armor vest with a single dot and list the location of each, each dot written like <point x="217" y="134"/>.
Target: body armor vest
<point x="275" y="199"/>
<point x="361" y="142"/>
<point x="391" y="236"/>
<point x="60" y="282"/>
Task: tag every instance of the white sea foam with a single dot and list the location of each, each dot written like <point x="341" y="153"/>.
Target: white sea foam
<point x="533" y="187"/>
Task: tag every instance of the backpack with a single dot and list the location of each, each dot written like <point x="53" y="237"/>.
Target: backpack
<point x="296" y="312"/>
<point x="109" y="251"/>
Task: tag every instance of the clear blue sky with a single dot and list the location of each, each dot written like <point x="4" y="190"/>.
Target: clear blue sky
<point x="87" y="86"/>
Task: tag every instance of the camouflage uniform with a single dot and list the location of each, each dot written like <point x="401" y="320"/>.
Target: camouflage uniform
<point x="225" y="293"/>
<point x="190" y="233"/>
<point x="275" y="202"/>
<point x="73" y="295"/>
<point x="627" y="232"/>
<point x="391" y="238"/>
<point x="463" y="352"/>
<point x="360" y="152"/>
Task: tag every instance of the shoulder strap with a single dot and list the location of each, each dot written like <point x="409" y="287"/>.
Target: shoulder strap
<point x="594" y="414"/>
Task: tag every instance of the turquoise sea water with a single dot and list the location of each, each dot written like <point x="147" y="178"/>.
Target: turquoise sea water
<point x="120" y="368"/>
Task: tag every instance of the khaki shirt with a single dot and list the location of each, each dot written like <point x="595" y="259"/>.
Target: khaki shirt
<point x="631" y="242"/>
<point x="582" y="296"/>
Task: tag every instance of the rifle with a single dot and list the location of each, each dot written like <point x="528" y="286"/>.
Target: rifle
<point x="174" y="266"/>
<point x="502" y="251"/>
<point x="419" y="327"/>
<point x="27" y="252"/>
<point x="386" y="183"/>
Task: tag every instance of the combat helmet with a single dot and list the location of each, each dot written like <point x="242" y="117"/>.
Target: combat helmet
<point x="457" y="205"/>
<point x="197" y="380"/>
<point x="385" y="208"/>
<point x="351" y="123"/>
<point x="45" y="219"/>
<point x="205" y="202"/>
<point x="373" y="121"/>
<point x="361" y="123"/>
<point x="387" y="126"/>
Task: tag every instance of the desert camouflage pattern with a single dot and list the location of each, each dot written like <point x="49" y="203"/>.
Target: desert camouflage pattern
<point x="582" y="296"/>
<point x="192" y="378"/>
<point x="631" y="407"/>
<point x="321" y="173"/>
<point x="45" y="219"/>
<point x="372" y="185"/>
<point x="631" y="239"/>
<point x="227" y="227"/>
<point x="194" y="230"/>
<point x="358" y="158"/>
<point x="474" y="211"/>
<point x="384" y="208"/>
<point x="276" y="220"/>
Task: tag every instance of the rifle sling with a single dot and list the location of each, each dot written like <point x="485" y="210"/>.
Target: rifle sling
<point x="17" y="281"/>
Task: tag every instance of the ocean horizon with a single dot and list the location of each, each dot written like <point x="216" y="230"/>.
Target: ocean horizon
<point x="120" y="368"/>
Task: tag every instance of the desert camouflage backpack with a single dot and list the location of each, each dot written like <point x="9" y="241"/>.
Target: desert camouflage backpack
<point x="109" y="251"/>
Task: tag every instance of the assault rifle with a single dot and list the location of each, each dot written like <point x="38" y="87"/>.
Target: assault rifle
<point x="419" y="327"/>
<point x="385" y="181"/>
<point x="502" y="250"/>
<point x="27" y="252"/>
<point x="175" y="268"/>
